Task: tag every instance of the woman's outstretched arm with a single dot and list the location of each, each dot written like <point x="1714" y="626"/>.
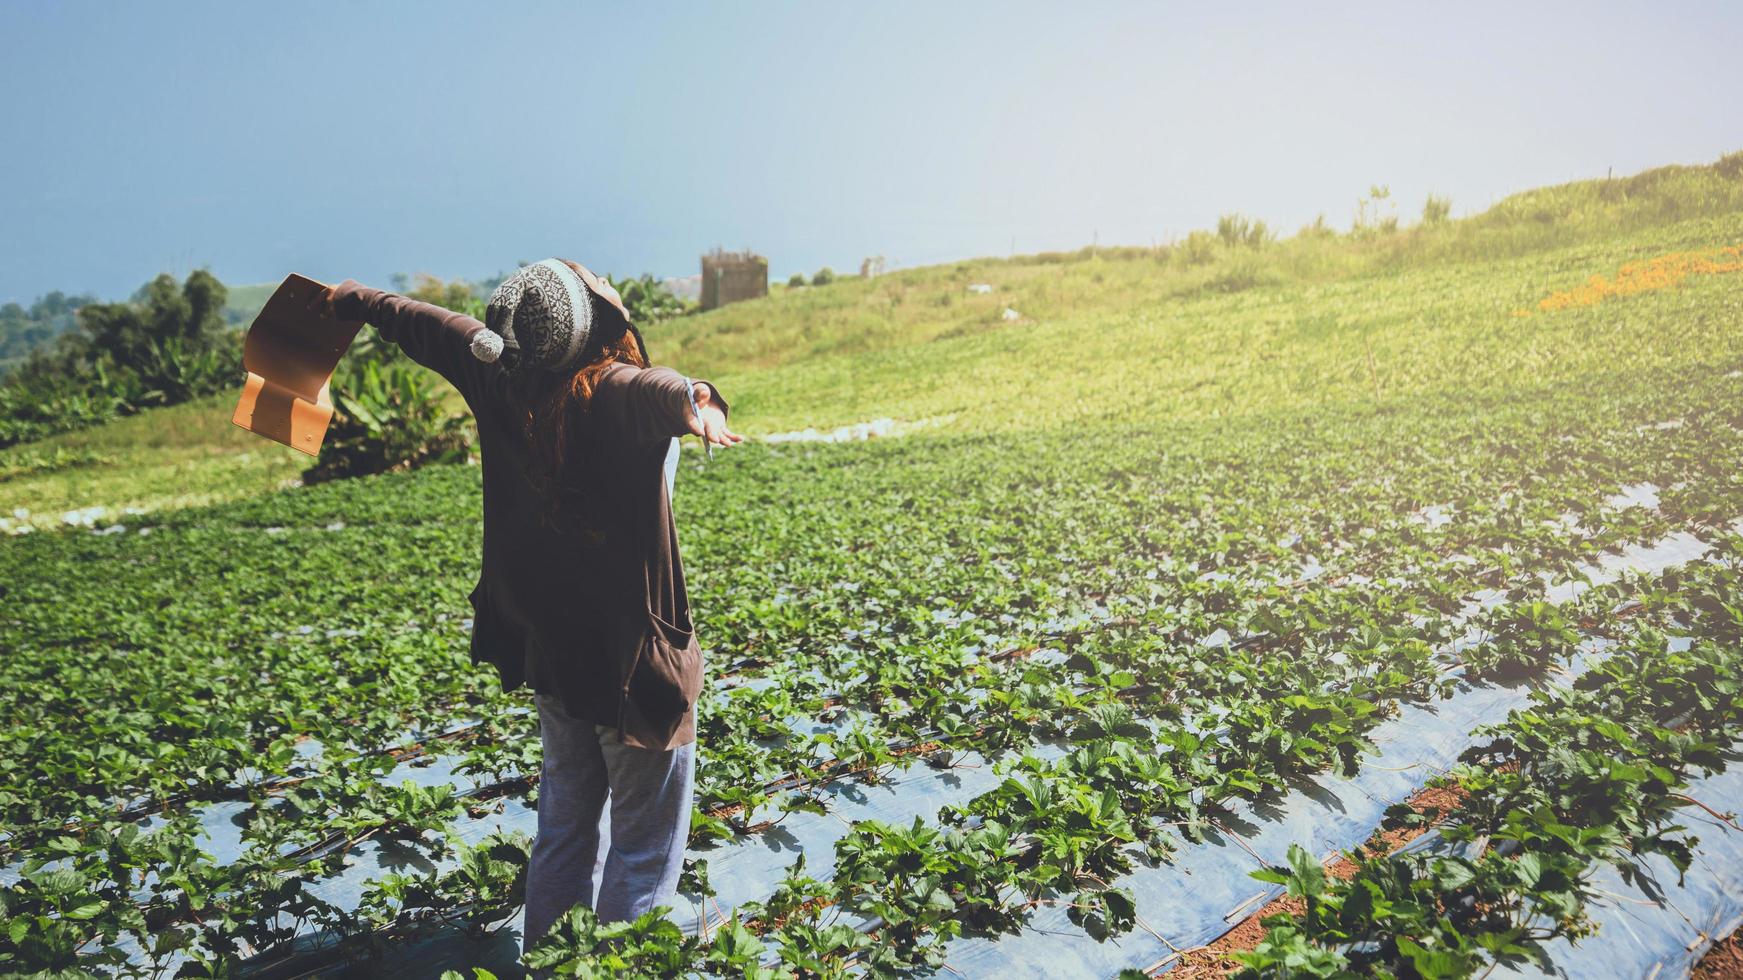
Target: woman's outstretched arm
<point x="439" y="339"/>
<point x="652" y="404"/>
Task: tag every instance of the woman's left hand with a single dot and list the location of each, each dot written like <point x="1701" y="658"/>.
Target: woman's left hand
<point x="709" y="422"/>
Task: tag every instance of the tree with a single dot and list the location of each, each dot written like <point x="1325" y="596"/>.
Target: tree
<point x="24" y="330"/>
<point x="205" y="297"/>
<point x="451" y="294"/>
<point x="648" y="300"/>
<point x="190" y="314"/>
<point x="167" y="344"/>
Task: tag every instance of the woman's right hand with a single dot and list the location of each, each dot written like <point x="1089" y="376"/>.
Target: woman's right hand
<point x="321" y="302"/>
<point x="324" y="302"/>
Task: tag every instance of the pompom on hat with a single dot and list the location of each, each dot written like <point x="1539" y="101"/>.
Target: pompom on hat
<point x="549" y="316"/>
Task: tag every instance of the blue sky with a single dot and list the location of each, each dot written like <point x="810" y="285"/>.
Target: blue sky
<point x="364" y="139"/>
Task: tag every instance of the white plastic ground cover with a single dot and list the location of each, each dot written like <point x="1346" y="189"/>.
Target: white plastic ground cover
<point x="749" y="870"/>
<point x="1207" y="889"/>
<point x="740" y="871"/>
<point x="224" y="823"/>
<point x="874" y="429"/>
<point x="1661" y="934"/>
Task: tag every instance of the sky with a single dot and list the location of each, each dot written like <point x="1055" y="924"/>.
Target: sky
<point x="363" y="139"/>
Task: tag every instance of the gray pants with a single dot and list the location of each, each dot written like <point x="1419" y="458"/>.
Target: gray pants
<point x="649" y="819"/>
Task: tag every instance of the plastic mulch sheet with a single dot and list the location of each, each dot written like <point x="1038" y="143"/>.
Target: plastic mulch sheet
<point x="1207" y="889"/>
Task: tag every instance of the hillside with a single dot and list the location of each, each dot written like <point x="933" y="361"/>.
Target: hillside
<point x="1213" y="560"/>
<point x="897" y="344"/>
<point x="1196" y="330"/>
<point x="242" y="303"/>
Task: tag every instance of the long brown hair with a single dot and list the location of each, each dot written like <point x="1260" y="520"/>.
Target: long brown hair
<point x="549" y="404"/>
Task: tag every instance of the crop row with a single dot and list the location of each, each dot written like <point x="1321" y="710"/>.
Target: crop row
<point x="1059" y="831"/>
<point x="1315" y="733"/>
<point x="1587" y="775"/>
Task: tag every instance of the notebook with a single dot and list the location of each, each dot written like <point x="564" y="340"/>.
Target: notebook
<point x="290" y="355"/>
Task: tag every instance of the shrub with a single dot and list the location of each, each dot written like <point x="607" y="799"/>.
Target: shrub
<point x="1375" y="214"/>
<point x="1436" y="209"/>
<point x="1242" y="273"/>
<point x="1198" y="248"/>
<point x="1239" y="230"/>
<point x="178" y="369"/>
<point x="796" y="280"/>
<point x="388" y="414"/>
<point x="28" y="414"/>
<point x="648" y="299"/>
<point x="824" y="277"/>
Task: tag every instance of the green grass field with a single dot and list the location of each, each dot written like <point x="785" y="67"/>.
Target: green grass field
<point x="1154" y="451"/>
<point x="1108" y="334"/>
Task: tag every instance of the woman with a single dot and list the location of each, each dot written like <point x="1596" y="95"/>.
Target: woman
<point x="581" y="595"/>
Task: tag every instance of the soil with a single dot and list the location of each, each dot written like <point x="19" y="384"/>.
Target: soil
<point x="1217" y="960"/>
<point x="1723" y="962"/>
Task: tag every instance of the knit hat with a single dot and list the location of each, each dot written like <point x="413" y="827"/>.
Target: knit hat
<point x="544" y="317"/>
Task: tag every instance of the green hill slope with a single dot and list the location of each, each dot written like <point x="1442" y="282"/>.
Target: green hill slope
<point x="242" y="303"/>
<point x="1200" y="329"/>
<point x="1196" y="318"/>
<point x="1322" y="451"/>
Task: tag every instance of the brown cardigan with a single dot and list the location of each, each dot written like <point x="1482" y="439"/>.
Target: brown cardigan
<point x="593" y="610"/>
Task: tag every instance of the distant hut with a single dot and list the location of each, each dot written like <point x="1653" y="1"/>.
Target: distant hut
<point x="728" y="277"/>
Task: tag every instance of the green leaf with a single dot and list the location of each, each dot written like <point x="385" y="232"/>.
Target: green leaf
<point x="85" y="908"/>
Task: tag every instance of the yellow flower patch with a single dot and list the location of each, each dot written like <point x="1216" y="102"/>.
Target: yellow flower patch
<point x="1662" y="272"/>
